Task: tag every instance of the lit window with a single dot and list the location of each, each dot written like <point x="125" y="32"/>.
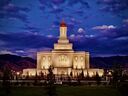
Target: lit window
<point x="76" y="58"/>
<point x="81" y="58"/>
<point x="65" y="58"/>
<point x="43" y="57"/>
<point x="75" y="66"/>
<point x="62" y="58"/>
<point x="49" y="58"/>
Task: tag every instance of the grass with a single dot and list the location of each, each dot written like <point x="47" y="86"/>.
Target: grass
<point x="65" y="91"/>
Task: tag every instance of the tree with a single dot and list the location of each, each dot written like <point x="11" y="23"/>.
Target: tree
<point x="87" y="76"/>
<point x="78" y="79"/>
<point x="69" y="80"/>
<point x="6" y="80"/>
<point x="116" y="75"/>
<point x="36" y="79"/>
<point x="71" y="74"/>
<point x="50" y="86"/>
<point x="97" y="78"/>
<point x="42" y="75"/>
<point x="82" y="75"/>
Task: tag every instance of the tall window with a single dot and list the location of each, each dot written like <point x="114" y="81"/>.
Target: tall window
<point x="62" y="58"/>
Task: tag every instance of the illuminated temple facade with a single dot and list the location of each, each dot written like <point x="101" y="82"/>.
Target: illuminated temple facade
<point x="63" y="59"/>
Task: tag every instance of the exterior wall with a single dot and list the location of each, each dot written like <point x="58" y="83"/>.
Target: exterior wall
<point x="62" y="71"/>
<point x="58" y="46"/>
<point x="62" y="59"/>
<point x="90" y="72"/>
<point x="79" y="60"/>
<point x="87" y="60"/>
<point x="44" y="60"/>
<point x="93" y="72"/>
<point x="30" y="72"/>
<point x="64" y="62"/>
<point x="63" y="32"/>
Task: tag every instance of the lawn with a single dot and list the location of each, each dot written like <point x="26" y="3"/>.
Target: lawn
<point x="65" y="91"/>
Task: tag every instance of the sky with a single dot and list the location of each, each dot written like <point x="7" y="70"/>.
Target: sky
<point x="97" y="26"/>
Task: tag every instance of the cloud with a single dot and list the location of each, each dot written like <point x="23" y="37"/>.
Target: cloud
<point x="104" y="27"/>
<point x="7" y="52"/>
<point x="26" y="40"/>
<point x="75" y="21"/>
<point x="57" y="2"/>
<point x="50" y="36"/>
<point x="81" y="30"/>
<point x="56" y="9"/>
<point x="82" y="2"/>
<point x="107" y="31"/>
<point x="2" y="43"/>
<point x="10" y="10"/>
<point x="59" y="6"/>
<point x="122" y="38"/>
<point x="111" y="31"/>
<point x="114" y="6"/>
<point x="26" y="43"/>
<point x="31" y="28"/>
<point x="125" y="21"/>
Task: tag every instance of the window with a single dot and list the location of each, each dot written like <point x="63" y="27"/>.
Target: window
<point x="81" y="58"/>
<point x="43" y="58"/>
<point x="62" y="58"/>
<point x="76" y="58"/>
<point x="49" y="58"/>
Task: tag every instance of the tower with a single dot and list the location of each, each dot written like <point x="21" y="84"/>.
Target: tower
<point x="63" y="30"/>
<point x="63" y="42"/>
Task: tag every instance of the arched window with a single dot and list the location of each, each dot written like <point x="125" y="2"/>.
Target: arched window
<point x="62" y="58"/>
<point x="76" y="58"/>
<point x="43" y="58"/>
<point x="49" y="58"/>
<point x="81" y="58"/>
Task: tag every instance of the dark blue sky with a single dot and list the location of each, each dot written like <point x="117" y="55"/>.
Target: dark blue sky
<point x="97" y="26"/>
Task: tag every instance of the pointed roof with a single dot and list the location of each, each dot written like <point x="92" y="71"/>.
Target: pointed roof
<point x="63" y="24"/>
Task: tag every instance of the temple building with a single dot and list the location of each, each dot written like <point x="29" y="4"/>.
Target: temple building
<point x="63" y="59"/>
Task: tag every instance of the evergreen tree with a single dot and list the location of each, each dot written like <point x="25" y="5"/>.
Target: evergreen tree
<point x="6" y="81"/>
<point x="82" y="75"/>
<point x="78" y="78"/>
<point x="116" y="75"/>
<point x="42" y="75"/>
<point x="97" y="78"/>
<point x="69" y="80"/>
<point x="71" y="74"/>
<point x="87" y="77"/>
<point x="36" y="79"/>
<point x="50" y="86"/>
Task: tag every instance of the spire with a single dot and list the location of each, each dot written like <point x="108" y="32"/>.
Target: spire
<point x="63" y="24"/>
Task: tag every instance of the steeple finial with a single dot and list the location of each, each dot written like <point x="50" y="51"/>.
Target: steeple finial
<point x="63" y="24"/>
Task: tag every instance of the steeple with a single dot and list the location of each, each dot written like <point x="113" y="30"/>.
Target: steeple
<point x="63" y="42"/>
<point x="63" y="30"/>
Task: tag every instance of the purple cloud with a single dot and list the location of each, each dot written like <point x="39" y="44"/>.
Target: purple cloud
<point x="9" y="10"/>
<point x="56" y="9"/>
<point x="114" y="6"/>
<point x="31" y="28"/>
<point x="111" y="31"/>
<point x="27" y="43"/>
<point x="104" y="27"/>
<point x="54" y="5"/>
